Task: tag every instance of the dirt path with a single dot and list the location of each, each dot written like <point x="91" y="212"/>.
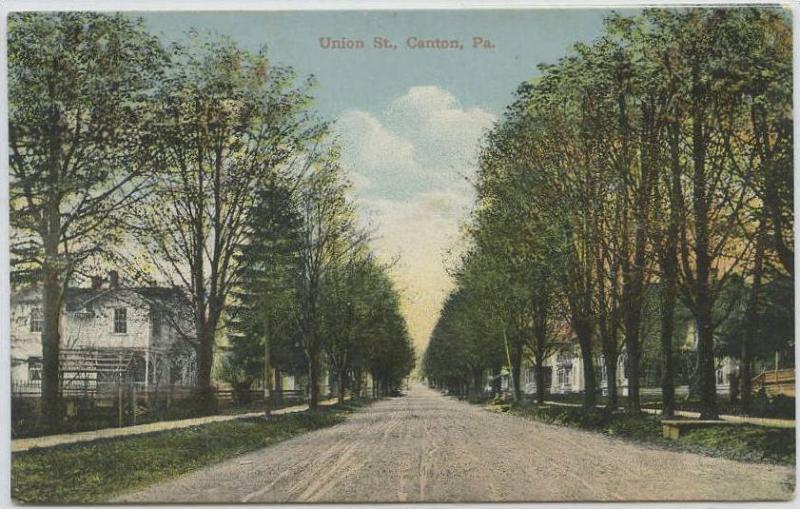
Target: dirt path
<point x="425" y="447"/>
<point x="24" y="444"/>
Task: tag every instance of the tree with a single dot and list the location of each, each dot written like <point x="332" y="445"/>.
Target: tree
<point x="715" y="194"/>
<point x="79" y="89"/>
<point x="655" y="158"/>
<point x="327" y="237"/>
<point x="389" y="354"/>
<point x="765" y="85"/>
<point x="352" y="290"/>
<point x="230" y="121"/>
<point x="261" y="333"/>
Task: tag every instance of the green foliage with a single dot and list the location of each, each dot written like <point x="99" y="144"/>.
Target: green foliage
<point x="738" y="442"/>
<point x="210" y="160"/>
<point x="641" y="167"/>
<point x="746" y="443"/>
<point x="261" y="321"/>
<point x="231" y="126"/>
<point x="312" y="286"/>
<point x="80" y="135"/>
<point x="81" y="152"/>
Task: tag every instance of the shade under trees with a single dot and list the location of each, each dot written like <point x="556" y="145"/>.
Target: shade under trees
<point x="658" y="157"/>
<point x="200" y="166"/>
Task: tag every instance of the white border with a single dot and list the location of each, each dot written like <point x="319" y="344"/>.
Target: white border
<point x="341" y="5"/>
<point x="349" y="5"/>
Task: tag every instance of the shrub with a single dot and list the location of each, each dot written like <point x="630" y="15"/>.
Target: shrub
<point x="738" y="442"/>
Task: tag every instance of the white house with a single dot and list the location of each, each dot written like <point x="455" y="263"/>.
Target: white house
<point x="109" y="333"/>
<point x="564" y="372"/>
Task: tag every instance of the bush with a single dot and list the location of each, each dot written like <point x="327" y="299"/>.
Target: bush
<point x="745" y="442"/>
<point x="782" y="406"/>
<point x="738" y="442"/>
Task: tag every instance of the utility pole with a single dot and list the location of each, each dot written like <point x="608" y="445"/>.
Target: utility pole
<point x="513" y="382"/>
<point x="267" y="367"/>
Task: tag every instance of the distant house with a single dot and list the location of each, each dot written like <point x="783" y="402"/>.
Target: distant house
<point x="109" y="333"/>
<point x="564" y="371"/>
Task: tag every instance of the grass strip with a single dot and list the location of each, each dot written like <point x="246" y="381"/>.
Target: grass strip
<point x="741" y="442"/>
<point x="96" y="471"/>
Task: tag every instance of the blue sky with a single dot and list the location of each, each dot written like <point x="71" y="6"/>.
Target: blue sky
<point x="409" y="121"/>
<point x="368" y="79"/>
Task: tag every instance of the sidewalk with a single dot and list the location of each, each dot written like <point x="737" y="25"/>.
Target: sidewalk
<point x="24" y="444"/>
<point x="756" y="421"/>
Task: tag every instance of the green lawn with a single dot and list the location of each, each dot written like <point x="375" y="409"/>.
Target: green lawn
<point x="96" y="471"/>
<point x="780" y="407"/>
<point x="739" y="442"/>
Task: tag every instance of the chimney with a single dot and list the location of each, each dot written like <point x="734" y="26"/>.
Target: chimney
<point x="113" y="279"/>
<point x="97" y="282"/>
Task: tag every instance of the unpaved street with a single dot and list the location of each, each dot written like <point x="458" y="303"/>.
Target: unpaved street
<point x="426" y="447"/>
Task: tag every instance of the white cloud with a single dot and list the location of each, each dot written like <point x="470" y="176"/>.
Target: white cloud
<point x="365" y="145"/>
<point x="408" y="166"/>
<point x="445" y="133"/>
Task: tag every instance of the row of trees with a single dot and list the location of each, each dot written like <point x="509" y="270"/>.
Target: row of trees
<point x="198" y="165"/>
<point x="312" y="287"/>
<point x="647" y="172"/>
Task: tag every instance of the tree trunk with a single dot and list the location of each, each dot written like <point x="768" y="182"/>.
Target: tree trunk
<point x="590" y="393"/>
<point x="751" y="323"/>
<point x="313" y="378"/>
<point x="268" y="364"/>
<point x="50" y="406"/>
<point x="205" y="358"/>
<point x="583" y="331"/>
<point x="539" y="372"/>
<point x="611" y="381"/>
<point x="702" y="286"/>
<point x="516" y="370"/>
<point x="706" y="369"/>
<point x="341" y="385"/>
<point x="50" y="412"/>
<point x="357" y="383"/>
<point x="668" y="296"/>
<point x="477" y="381"/>
<point x="632" y="296"/>
<point x="633" y="355"/>
<point x="277" y="393"/>
<point x="668" y="261"/>
<point x="667" y="328"/>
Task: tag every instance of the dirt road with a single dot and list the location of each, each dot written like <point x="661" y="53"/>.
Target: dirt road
<point x="425" y="447"/>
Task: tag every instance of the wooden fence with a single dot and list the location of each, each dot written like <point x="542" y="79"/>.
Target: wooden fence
<point x="127" y="403"/>
<point x="776" y="382"/>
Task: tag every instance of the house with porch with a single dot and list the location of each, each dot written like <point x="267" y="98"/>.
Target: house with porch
<point x="110" y="333"/>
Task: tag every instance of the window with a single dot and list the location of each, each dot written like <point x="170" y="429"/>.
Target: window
<point x="564" y="365"/>
<point x="120" y="321"/>
<point x="720" y="376"/>
<point x="138" y="369"/>
<point x="564" y="376"/>
<point x="34" y="368"/>
<point x="156" y="320"/>
<point x="36" y="320"/>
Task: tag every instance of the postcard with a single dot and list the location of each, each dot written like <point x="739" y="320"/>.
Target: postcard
<point x="399" y="255"/>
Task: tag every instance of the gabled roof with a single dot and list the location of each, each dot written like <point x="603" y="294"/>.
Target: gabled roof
<point x="76" y="298"/>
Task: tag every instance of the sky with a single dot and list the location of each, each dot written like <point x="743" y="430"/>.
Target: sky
<point x="409" y="120"/>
